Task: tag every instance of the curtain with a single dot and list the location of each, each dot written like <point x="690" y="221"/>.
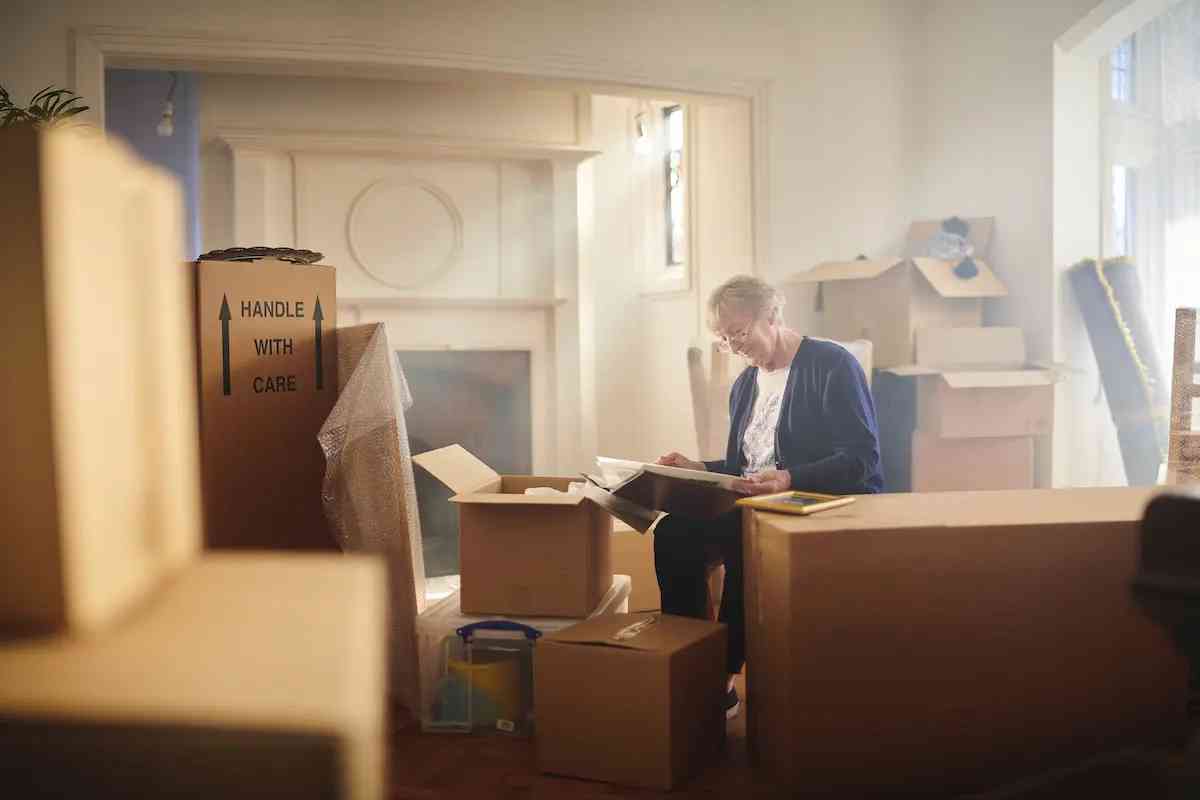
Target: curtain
<point x="1156" y="133"/>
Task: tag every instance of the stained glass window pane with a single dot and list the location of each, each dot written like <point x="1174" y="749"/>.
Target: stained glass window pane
<point x="676" y="201"/>
<point x="1122" y="61"/>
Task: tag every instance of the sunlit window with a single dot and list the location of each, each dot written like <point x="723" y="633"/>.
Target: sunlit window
<point x="1122" y="71"/>
<point x="676" y="200"/>
<point x="1124" y="188"/>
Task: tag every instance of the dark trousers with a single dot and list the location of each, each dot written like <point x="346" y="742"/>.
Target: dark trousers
<point x="683" y="550"/>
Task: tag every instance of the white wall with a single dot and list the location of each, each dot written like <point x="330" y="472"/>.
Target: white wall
<point x="839" y="72"/>
<point x="838" y="137"/>
<point x="984" y="134"/>
<point x="984" y="139"/>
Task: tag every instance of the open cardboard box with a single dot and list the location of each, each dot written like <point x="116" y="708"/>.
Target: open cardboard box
<point x="976" y="383"/>
<point x="887" y="300"/>
<point x="519" y="554"/>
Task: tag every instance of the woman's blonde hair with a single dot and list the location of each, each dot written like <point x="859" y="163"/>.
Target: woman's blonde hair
<point x="748" y="293"/>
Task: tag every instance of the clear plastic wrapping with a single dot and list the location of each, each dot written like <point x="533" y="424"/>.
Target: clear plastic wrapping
<point x="368" y="494"/>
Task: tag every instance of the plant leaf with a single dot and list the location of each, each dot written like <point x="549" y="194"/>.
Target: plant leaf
<point x="65" y="105"/>
<point x="34" y="100"/>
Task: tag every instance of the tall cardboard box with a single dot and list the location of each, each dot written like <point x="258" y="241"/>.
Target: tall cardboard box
<point x="936" y="644"/>
<point x="248" y="675"/>
<point x="887" y="300"/>
<point x="524" y="555"/>
<point x="98" y="425"/>
<point x="633" y="699"/>
<point x="268" y="380"/>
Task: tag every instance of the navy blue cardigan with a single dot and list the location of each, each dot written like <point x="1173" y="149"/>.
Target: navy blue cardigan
<point x="827" y="437"/>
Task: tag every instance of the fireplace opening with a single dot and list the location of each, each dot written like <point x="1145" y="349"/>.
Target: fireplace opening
<point x="479" y="399"/>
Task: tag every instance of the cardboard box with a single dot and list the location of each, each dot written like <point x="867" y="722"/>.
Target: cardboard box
<point x="941" y="643"/>
<point x="247" y="676"/>
<point x="524" y="555"/>
<point x="98" y="427"/>
<point x="633" y="555"/>
<point x="631" y="699"/>
<point x="976" y="382"/>
<point x="887" y="300"/>
<point x="268" y="380"/>
<point x="955" y="465"/>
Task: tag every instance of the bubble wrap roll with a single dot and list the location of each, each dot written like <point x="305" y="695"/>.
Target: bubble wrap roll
<point x="368" y="494"/>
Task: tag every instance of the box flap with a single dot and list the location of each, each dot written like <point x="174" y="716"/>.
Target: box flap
<point x="661" y="633"/>
<point x="945" y="282"/>
<point x="845" y="271"/>
<point x="458" y="469"/>
<point x="500" y="499"/>
<point x="998" y="379"/>
<point x="979" y="234"/>
<point x="950" y="348"/>
<point x="911" y="371"/>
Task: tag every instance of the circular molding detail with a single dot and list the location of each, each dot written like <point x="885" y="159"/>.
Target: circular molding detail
<point x="404" y="232"/>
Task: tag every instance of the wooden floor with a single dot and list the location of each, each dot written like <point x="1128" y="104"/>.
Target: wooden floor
<point x="435" y="766"/>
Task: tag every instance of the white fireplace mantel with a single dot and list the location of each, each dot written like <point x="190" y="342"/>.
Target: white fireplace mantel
<point x="382" y="143"/>
<point x="551" y="319"/>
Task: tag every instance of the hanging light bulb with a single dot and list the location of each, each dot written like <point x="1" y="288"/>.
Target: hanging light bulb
<point x="166" y="125"/>
<point x="641" y="143"/>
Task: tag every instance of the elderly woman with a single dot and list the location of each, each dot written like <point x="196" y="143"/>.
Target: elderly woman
<point x="801" y="417"/>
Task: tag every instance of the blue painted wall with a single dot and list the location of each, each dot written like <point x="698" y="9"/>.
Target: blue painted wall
<point x="133" y="106"/>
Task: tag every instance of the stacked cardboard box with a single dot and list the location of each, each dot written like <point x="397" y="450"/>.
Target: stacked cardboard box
<point x="958" y="407"/>
<point x="156" y="670"/>
<point x="980" y="406"/>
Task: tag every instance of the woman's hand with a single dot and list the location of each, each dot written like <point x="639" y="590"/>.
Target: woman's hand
<point x="769" y="481"/>
<point x="676" y="460"/>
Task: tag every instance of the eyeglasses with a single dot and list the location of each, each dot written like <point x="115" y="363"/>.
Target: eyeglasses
<point x="733" y="342"/>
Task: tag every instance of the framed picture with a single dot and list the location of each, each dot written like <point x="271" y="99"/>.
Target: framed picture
<point x="795" y="502"/>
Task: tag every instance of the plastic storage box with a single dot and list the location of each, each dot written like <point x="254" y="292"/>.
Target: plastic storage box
<point x="477" y="672"/>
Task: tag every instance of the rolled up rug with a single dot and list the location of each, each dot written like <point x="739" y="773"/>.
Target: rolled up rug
<point x="1110" y="300"/>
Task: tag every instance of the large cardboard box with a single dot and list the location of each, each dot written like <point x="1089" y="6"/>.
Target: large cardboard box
<point x="931" y="644"/>
<point x="887" y="300"/>
<point x="524" y="555"/>
<point x="268" y="380"/>
<point x="633" y="699"/>
<point x="955" y="465"/>
<point x="98" y="427"/>
<point x="976" y="382"/>
<point x="247" y="676"/>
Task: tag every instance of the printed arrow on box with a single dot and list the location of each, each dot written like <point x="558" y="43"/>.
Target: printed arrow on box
<point x="318" y="316"/>
<point x="225" y="316"/>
